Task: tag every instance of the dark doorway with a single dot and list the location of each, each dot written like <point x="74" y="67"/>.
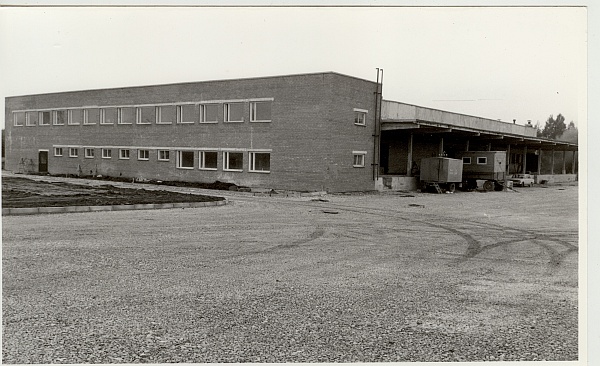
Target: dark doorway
<point x="43" y="162"/>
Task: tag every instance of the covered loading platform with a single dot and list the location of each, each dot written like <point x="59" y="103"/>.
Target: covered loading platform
<point x="409" y="133"/>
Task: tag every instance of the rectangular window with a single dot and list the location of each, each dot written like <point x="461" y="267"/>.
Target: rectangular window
<point x="91" y="116"/>
<point x="233" y="161"/>
<point x="73" y="152"/>
<point x="359" y="159"/>
<point x="123" y="153"/>
<point x="209" y="113"/>
<point x="44" y="118"/>
<point x="166" y="114"/>
<point x="185" y="159"/>
<point x="88" y="152"/>
<point x="31" y="118"/>
<point x="108" y="116"/>
<point x="481" y="160"/>
<point x="233" y="112"/>
<point x="163" y="155"/>
<point x="260" y="111"/>
<point x="75" y="116"/>
<point x="106" y="153"/>
<point x="145" y="115"/>
<point x="18" y="118"/>
<point x="143" y="154"/>
<point x="58" y="151"/>
<point x="260" y="162"/>
<point x="60" y="117"/>
<point x="208" y="160"/>
<point x="467" y="160"/>
<point x="360" y="117"/>
<point x="187" y="113"/>
<point x="126" y="115"/>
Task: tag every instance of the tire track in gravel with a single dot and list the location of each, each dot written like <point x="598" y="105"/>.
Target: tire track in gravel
<point x="474" y="246"/>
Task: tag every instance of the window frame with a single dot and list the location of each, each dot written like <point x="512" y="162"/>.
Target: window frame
<point x="227" y="112"/>
<point x="55" y="117"/>
<point x="158" y="113"/>
<point x="363" y="113"/>
<point x="138" y="115"/>
<point x="484" y="160"/>
<point x="363" y="159"/>
<point x="41" y="118"/>
<point x="70" y="117"/>
<point x="27" y="119"/>
<point x="202" y="160"/>
<point x="467" y="160"/>
<point x="179" y="159"/>
<point x="203" y="112"/>
<point x="58" y="151"/>
<point x="253" y="111"/>
<point x="124" y="154"/>
<point x="15" y="119"/>
<point x="141" y="152"/>
<point x="104" y="153"/>
<point x="226" y="161"/>
<point x="103" y="116"/>
<point x="73" y="152"/>
<point x="179" y="113"/>
<point x="158" y="152"/>
<point x="120" y="120"/>
<point x="252" y="162"/>
<point x="86" y="152"/>
<point x="86" y="117"/>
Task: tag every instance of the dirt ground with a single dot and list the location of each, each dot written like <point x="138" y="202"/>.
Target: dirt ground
<point x="22" y="192"/>
<point x="468" y="276"/>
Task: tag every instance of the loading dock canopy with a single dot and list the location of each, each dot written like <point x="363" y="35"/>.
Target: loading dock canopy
<point x="419" y="120"/>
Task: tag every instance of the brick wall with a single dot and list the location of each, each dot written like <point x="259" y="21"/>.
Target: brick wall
<point x="311" y="135"/>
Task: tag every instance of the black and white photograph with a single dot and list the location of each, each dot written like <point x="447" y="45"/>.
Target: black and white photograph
<point x="393" y="182"/>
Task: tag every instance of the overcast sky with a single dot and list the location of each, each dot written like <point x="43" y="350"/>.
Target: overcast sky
<point x="501" y="63"/>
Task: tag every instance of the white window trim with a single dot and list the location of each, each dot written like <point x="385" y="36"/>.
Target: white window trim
<point x="178" y="160"/>
<point x="104" y="156"/>
<point x="86" y="117"/>
<point x="158" y="155"/>
<point x="467" y="157"/>
<point x="358" y="110"/>
<point x="15" y="119"/>
<point x="364" y="158"/>
<point x="27" y="124"/>
<point x="41" y="118"/>
<point x="252" y="161"/>
<point x="203" y="113"/>
<point x="226" y="162"/>
<point x="103" y="117"/>
<point x="71" y="155"/>
<point x="158" y="115"/>
<point x="56" y="149"/>
<point x="253" y="112"/>
<point x="70" y="118"/>
<point x="120" y="116"/>
<point x="121" y="151"/>
<point x="226" y="112"/>
<point x="179" y="113"/>
<point x="55" y="117"/>
<point x="140" y="158"/>
<point x="138" y="116"/>
<point x="86" y="150"/>
<point x="202" y="160"/>
<point x="481" y="157"/>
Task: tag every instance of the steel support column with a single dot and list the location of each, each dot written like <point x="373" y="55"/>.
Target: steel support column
<point x="441" y="147"/>
<point x="507" y="160"/>
<point x="409" y="160"/>
<point x="552" y="168"/>
<point x="524" y="159"/>
<point x="539" y="168"/>
<point x="564" y="170"/>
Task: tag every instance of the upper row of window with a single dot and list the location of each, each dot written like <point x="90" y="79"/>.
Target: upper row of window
<point x="167" y="114"/>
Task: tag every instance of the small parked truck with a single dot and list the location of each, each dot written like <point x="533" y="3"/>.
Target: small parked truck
<point x="489" y="166"/>
<point x="441" y="173"/>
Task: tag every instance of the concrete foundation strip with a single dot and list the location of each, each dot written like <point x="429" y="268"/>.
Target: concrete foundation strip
<point x="143" y="206"/>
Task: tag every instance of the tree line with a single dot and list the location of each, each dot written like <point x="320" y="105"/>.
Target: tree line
<point x="556" y="129"/>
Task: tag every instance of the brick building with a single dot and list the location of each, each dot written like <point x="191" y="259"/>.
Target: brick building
<point x="323" y="131"/>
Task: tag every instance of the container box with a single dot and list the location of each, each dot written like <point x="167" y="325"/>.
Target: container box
<point x="441" y="170"/>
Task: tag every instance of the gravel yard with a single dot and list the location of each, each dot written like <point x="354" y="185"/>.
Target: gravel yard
<point x="375" y="277"/>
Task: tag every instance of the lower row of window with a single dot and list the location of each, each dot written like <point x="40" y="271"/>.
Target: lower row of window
<point x="207" y="160"/>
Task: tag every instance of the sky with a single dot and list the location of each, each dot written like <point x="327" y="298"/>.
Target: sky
<point x="523" y="63"/>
